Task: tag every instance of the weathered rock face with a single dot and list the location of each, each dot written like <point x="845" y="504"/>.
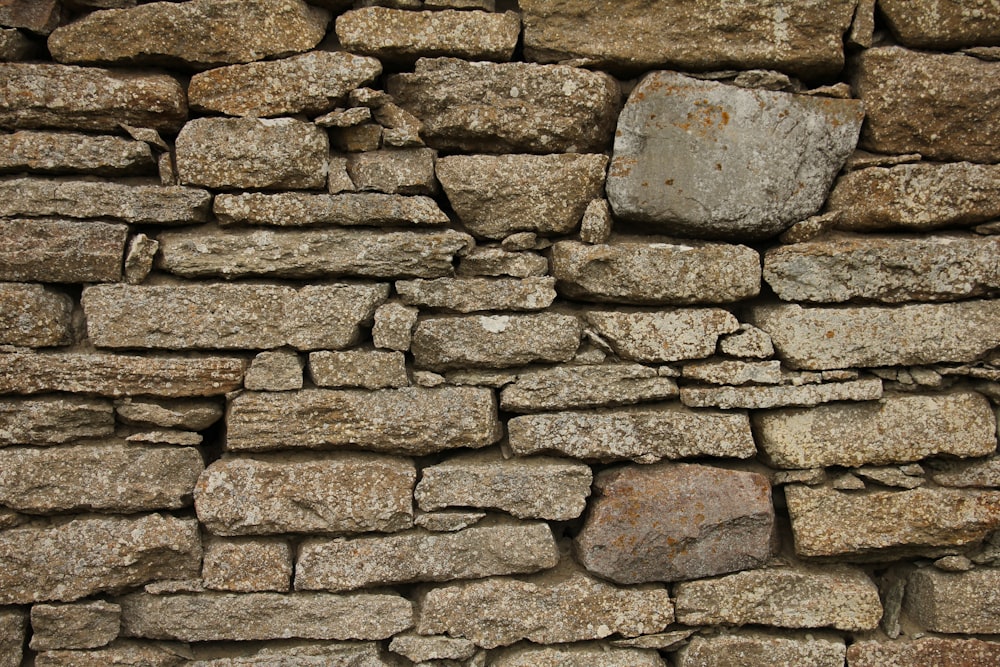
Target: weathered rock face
<point x="931" y="24"/>
<point x="34" y="316"/>
<point x="74" y="626"/>
<point x="926" y="651"/>
<point x="754" y="397"/>
<point x="13" y="628"/>
<point x="746" y="649"/>
<point x="68" y="152"/>
<point x="804" y="39"/>
<point x="405" y="171"/>
<point x="954" y="602"/>
<point x="121" y="652"/>
<point x="705" y="159"/>
<point x="52" y="420"/>
<point x="299" y="209"/>
<point x="371" y="369"/>
<point x="38" y="16"/>
<point x="507" y="108"/>
<point x="899" y="122"/>
<point x="60" y="561"/>
<point x="568" y="387"/>
<point x="419" y="648"/>
<point x="664" y="335"/>
<point x="295" y="653"/>
<point x="247" y="564"/>
<point x="193" y="414"/>
<point x="466" y="295"/>
<point x="197" y="34"/>
<point x="61" y="251"/>
<point x="576" y="655"/>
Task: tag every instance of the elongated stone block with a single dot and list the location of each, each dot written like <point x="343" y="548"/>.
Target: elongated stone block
<point x="931" y="24"/>
<point x="74" y="626"/>
<point x="751" y="397"/>
<point x="306" y="493"/>
<point x="466" y="295"/>
<point x="119" y="652"/>
<point x="753" y="648"/>
<point x="924" y="651"/>
<point x="301" y="209"/>
<point x="296" y="653"/>
<point x="61" y="152"/>
<point x="954" y="602"/>
<point x="191" y="414"/>
<point x="371" y="369"/>
<point x="412" y="421"/>
<point x="52" y="420"/>
<point x="34" y="316"/>
<point x="61" y="251"/>
<point x="569" y="387"/>
<point x="576" y="655"/>
<point x="663" y="335"/>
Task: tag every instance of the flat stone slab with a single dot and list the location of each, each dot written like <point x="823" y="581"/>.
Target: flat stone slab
<point x="592" y="386"/>
<point x="61" y="251"/>
<point x="67" y="626"/>
<point x="954" y="602"/>
<point x="654" y="273"/>
<point x="371" y="369"/>
<point x="244" y="565"/>
<point x="119" y="652"/>
<point x="414" y="420"/>
<point x="733" y="371"/>
<point x="226" y="316"/>
<point x="584" y="654"/>
<point x="933" y="25"/>
<point x="900" y="428"/>
<point x="59" y="561"/>
<point x="91" y="98"/>
<point x="689" y="156"/>
<point x="495" y="261"/>
<point x="193" y="414"/>
<point x="35" y="316"/>
<point x="508" y="107"/>
<point x="924" y="651"/>
<point x="818" y="338"/>
<point x="311" y="253"/>
<point x="663" y="335"/>
<point x="53" y="420"/>
<point x="644" y="435"/>
<point x="197" y="34"/>
<point x="306" y="493"/>
<point x="419" y="648"/>
<point x="295" y="653"/>
<point x="742" y="649"/>
<point x="301" y="209"/>
<point x="751" y="397"/>
<point x="467" y="295"/>
<point x="62" y="152"/>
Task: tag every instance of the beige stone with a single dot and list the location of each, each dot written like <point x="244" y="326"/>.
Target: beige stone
<point x="576" y="655"/>
<point x="931" y="24"/>
<point x="755" y="397"/>
<point x="954" y="602"/>
<point x="370" y="369"/>
<point x="243" y="565"/>
<point x="419" y="648"/>
<point x="74" y="626"/>
<point x="15" y="45"/>
<point x="393" y="327"/>
<point x="62" y="152"/>
<point x="597" y="223"/>
<point x="733" y="372"/>
<point x="981" y="472"/>
<point x="274" y="370"/>
<point x="191" y="414"/>
<point x="300" y="209"/>
<point x="293" y="653"/>
<point x="403" y="171"/>
<point x="663" y="335"/>
<point x="466" y="295"/>
<point x="139" y="258"/>
<point x="448" y="521"/>
<point x="923" y="651"/>
<point x="53" y="420"/>
<point x="121" y="653"/>
<point x="35" y="316"/>
<point x="61" y="250"/>
<point x="13" y="631"/>
<point x="754" y="648"/>
<point x="748" y="342"/>
<point x="590" y="386"/>
<point x="493" y="261"/>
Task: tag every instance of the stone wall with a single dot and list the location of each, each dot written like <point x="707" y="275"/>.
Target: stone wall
<point x="454" y="333"/>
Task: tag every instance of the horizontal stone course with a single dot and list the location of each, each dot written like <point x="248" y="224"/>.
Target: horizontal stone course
<point x="466" y="295"/>
<point x="749" y="648"/>
<point x="54" y="419"/>
<point x="585" y="386"/>
<point x="73" y="152"/>
<point x="925" y="650"/>
<point x="61" y="251"/>
<point x="301" y="209"/>
<point x="664" y="335"/>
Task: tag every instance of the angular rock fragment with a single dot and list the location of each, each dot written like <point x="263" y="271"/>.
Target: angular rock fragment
<point x="663" y="335"/>
<point x="393" y="327"/>
<point x="198" y="34"/>
<point x="592" y="386"/>
<point x="930" y="24"/>
<point x="370" y="369"/>
<point x="632" y="271"/>
<point x="493" y="261"/>
<point x="37" y="16"/>
<point x="299" y="209"/>
<point x="245" y="565"/>
<point x="139" y="258"/>
<point x="83" y="555"/>
<point x="73" y="152"/>
<point x="306" y="493"/>
<point x="510" y="107"/>
<point x="466" y="295"/>
<point x="403" y="171"/>
<point x="924" y="651"/>
<point x="497" y="195"/>
<point x="755" y="398"/>
<point x="312" y="83"/>
<point x="412" y="420"/>
<point x="576" y="655"/>
<point x="34" y="316"/>
<point x="74" y="626"/>
<point x="753" y="648"/>
<point x="961" y="474"/>
<point x="709" y="160"/>
<point x="192" y="414"/>
<point x="954" y="602"/>
<point x="644" y="435"/>
<point x="120" y="652"/>
<point x="52" y="420"/>
<point x="274" y="370"/>
<point x="596" y="224"/>
<point x="448" y="521"/>
<point x="528" y="488"/>
<point x="13" y="631"/>
<point x="61" y="251"/>
<point x="748" y="342"/>
<point x="419" y="648"/>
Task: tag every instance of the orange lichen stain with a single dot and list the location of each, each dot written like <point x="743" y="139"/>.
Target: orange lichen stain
<point x="645" y="184"/>
<point x="830" y="334"/>
<point x="725" y="118"/>
<point x="618" y="133"/>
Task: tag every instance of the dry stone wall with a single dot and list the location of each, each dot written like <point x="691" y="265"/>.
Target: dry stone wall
<point x="475" y="333"/>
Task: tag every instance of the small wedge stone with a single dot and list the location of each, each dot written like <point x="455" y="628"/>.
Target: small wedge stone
<point x="493" y="261"/>
<point x="664" y="335"/>
<point x="195" y="415"/>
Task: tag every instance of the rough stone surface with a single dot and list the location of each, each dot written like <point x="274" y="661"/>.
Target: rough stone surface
<point x="568" y="387"/>
<point x="484" y="550"/>
<point x="269" y="153"/>
<point x="448" y="521"/>
<point x="274" y="370"/>
<point x="890" y="269"/>
<point x="466" y="295"/>
<point x="664" y="335"/>
<point x="931" y="24"/>
<point x="439" y="647"/>
<point x="644" y="435"/>
<point x="517" y="107"/>
<point x="295" y="653"/>
<point x="191" y="414"/>
<point x="370" y="369"/>
<point x="404" y="171"/>
<point x="121" y="653"/>
<point x="15" y="45"/>
<point x="954" y="602"/>
<point x="982" y="473"/>
<point x="37" y="16"/>
<point x="247" y="564"/>
<point x="957" y="117"/>
<point x="528" y="488"/>
<point x="577" y="655"/>
<point x="816" y="338"/>
<point x="60" y="561"/>
<point x="253" y="616"/>
<point x="705" y="159"/>
<point x="597" y="223"/>
<point x="804" y="39"/>
<point x="834" y="596"/>
<point x="89" y="98"/>
<point x="312" y="83"/>
<point x="930" y="651"/>
<point x="675" y="521"/>
<point x="61" y="250"/>
<point x="493" y="261"/>
<point x="198" y="34"/>
<point x="920" y="196"/>
<point x="180" y="438"/>
<point x="74" y="626"/>
<point x="630" y="270"/>
<point x="900" y="428"/>
<point x="306" y="493"/>
<point x="310" y="253"/>
<point x="72" y="152"/>
<point x="13" y="628"/>
<point x="748" y="342"/>
<point x="750" y="397"/>
<point x="223" y="316"/>
<point x="833" y="523"/>
<point x="300" y="209"/>
<point x="494" y="341"/>
<point x="497" y="195"/>
<point x="750" y="649"/>
<point x="52" y="420"/>
<point x="139" y="258"/>
<point x="411" y="420"/>
<point x="34" y="316"/>
<point x="398" y="35"/>
<point x="564" y="604"/>
<point x="393" y="327"/>
<point x="733" y="372"/>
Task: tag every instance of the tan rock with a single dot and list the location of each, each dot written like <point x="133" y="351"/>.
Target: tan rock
<point x="180" y="438"/>
<point x="294" y="653"/>
<point x="73" y="626"/>
<point x="394" y="324"/>
<point x="591" y="386"/>
<point x="197" y="34"/>
<point x="191" y="414"/>
<point x="954" y="602"/>
<point x="245" y="565"/>
<point x="412" y="421"/>
<point x="35" y="316"/>
<point x="923" y="651"/>
<point x="753" y="648"/>
<point x="517" y="107"/>
<point x="61" y="250"/>
<point x="663" y="335"/>
<point x="370" y="369"/>
<point x="733" y="372"/>
<point x="306" y="493"/>
<point x="404" y="171"/>
<point x="748" y="342"/>
<point x="448" y="521"/>
<point x="982" y="473"/>
<point x="466" y="295"/>
<point x="930" y="24"/>
<point x="139" y="258"/>
<point x="300" y="209"/>
<point x="121" y="652"/>
<point x="274" y="370"/>
<point x="15" y="45"/>
<point x="52" y="420"/>
<point x="438" y="647"/>
<point x="492" y="261"/>
<point x="597" y="223"/>
<point x="576" y="655"/>
<point x="13" y="632"/>
<point x="755" y="397"/>
<point x="62" y="152"/>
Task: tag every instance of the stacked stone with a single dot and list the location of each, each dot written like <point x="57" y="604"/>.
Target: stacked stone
<point x="446" y="334"/>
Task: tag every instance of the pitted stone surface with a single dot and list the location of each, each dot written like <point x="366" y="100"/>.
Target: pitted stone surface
<point x="954" y="602"/>
<point x="923" y="651"/>
<point x="300" y="209"/>
<point x="590" y="386"/>
<point x="576" y="655"/>
<point x="495" y="261"/>
<point x="245" y="565"/>
<point x="663" y="335"/>
<point x="932" y="24"/>
<point x="53" y="420"/>
<point x="753" y="648"/>
<point x="757" y="397"/>
<point x="61" y="251"/>
<point x="371" y="369"/>
<point x="62" y="152"/>
<point x="13" y="631"/>
<point x="466" y="295"/>
<point x="35" y="316"/>
<point x="74" y="626"/>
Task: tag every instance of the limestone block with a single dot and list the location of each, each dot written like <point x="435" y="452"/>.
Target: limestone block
<point x="404" y="171"/>
<point x="301" y="209"/>
<point x="493" y="261"/>
<point x="597" y="223"/>
<point x="193" y="414"/>
<point x="13" y="631"/>
<point x="306" y="493"/>
<point x="438" y="647"/>
<point x="753" y="648"/>
<point x="52" y="420"/>
<point x="274" y="370"/>
<point x="733" y="372"/>
<point x="753" y="397"/>
<point x="62" y="152"/>
<point x="923" y="651"/>
<point x="370" y="369"/>
<point x="508" y="107"/>
<point x="981" y="472"/>
<point x="61" y="251"/>
<point x="244" y="565"/>
<point x="466" y="295"/>
<point x="393" y="328"/>
<point x="954" y="602"/>
<point x="73" y="626"/>
<point x="591" y="386"/>
<point x="663" y="335"/>
<point x="576" y="655"/>
<point x="35" y="316"/>
<point x="710" y="160"/>
<point x="931" y="24"/>
<point x="296" y="654"/>
<point x="121" y="652"/>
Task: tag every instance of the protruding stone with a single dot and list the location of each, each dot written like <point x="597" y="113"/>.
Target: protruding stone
<point x="394" y="324"/>
<point x="306" y="493"/>
<point x="404" y="171"/>
<point x="493" y="261"/>
<point x="756" y="398"/>
<point x="663" y="335"/>
<point x="73" y="626"/>
<point x="509" y="107"/>
<point x="591" y="386"/>
<point x="748" y="342"/>
<point x="73" y="152"/>
<point x="197" y="34"/>
<point x="35" y="316"/>
<point x="709" y="160"/>
<point x="497" y="195"/>
<point x="753" y="648"/>
<point x="244" y="565"/>
<point x="139" y="258"/>
<point x="192" y="414"/>
<point x="370" y="369"/>
<point x="576" y="655"/>
<point x="299" y="209"/>
<point x="924" y="651"/>
<point x="466" y="295"/>
<point x="954" y="602"/>
<point x="52" y="420"/>
<point x="928" y="24"/>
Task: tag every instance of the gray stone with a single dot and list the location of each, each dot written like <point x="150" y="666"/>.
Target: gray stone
<point x="596" y="224"/>
<point x="528" y="488"/>
<point x="733" y="372"/>
<point x="748" y="342"/>
<point x="404" y="171"/>
<point x="60" y="561"/>
<point x="306" y="493"/>
<point x="121" y="653"/>
<point x="73" y="152"/>
<point x="419" y="648"/>
<point x="448" y="521"/>
<point x="244" y="565"/>
<point x="73" y="626"/>
<point x="344" y="117"/>
<point x="274" y="370"/>
<point x="754" y="648"/>
<point x="53" y="420"/>
<point x="751" y="397"/>
<point x="954" y="602"/>
<point x="198" y="34"/>
<point x="293" y="653"/>
<point x="312" y="84"/>
<point x="644" y="435"/>
<point x="704" y="159"/>
<point x="493" y="261"/>
<point x="630" y="270"/>
<point x="931" y="24"/>
<point x="497" y="195"/>
<point x="413" y="420"/>
<point x="394" y="324"/>
<point x="466" y="295"/>
<point x="590" y="386"/>
<point x="897" y="429"/>
<point x="13" y="632"/>
<point x="180" y="438"/>
<point x="370" y="369"/>
<point x="300" y="209"/>
<point x="675" y="521"/>
<point x="61" y="251"/>
<point x="663" y="335"/>
<point x="576" y="655"/>
<point x="35" y="316"/>
<point x="193" y="414"/>
<point x="139" y="258"/>
<point x="508" y="107"/>
<point x="924" y="651"/>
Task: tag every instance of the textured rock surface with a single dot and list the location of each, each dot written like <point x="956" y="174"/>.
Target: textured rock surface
<point x="576" y="655"/>
<point x="466" y="295"/>
<point x="122" y="653"/>
<point x="62" y="562"/>
<point x="62" y="152"/>
<point x="493" y="261"/>
<point x="923" y="651"/>
<point x="750" y="397"/>
<point x="197" y="34"/>
<point x="664" y="335"/>
<point x="690" y="156"/>
<point x="303" y="493"/>
<point x="371" y="369"/>
<point x="954" y="602"/>
<point x="393" y="327"/>
<point x="733" y="372"/>
<point x="497" y="195"/>
<point x="34" y="316"/>
<point x="247" y="564"/>
<point x="412" y="420"/>
<point x="900" y="428"/>
<point x="61" y="250"/>
<point x="13" y="628"/>
<point x="297" y="653"/>
<point x="932" y="24"/>
<point x="299" y="209"/>
<point x="749" y="649"/>
<point x="191" y="414"/>
<point x="898" y="122"/>
<point x="52" y="420"/>
<point x="73" y="626"/>
<point x="405" y="171"/>
<point x="37" y="16"/>
<point x="504" y="108"/>
<point x="274" y="370"/>
<point x="419" y="648"/>
<point x="567" y="387"/>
